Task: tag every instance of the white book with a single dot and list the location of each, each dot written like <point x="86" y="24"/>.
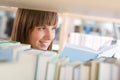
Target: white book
<point x="115" y="72"/>
<point x="28" y="61"/>
<point x="10" y="71"/>
<point x="53" y="69"/>
<point x="23" y="69"/>
<point x="17" y="49"/>
<point x="84" y="72"/>
<point x="105" y="71"/>
<point x="111" y="51"/>
<point x="42" y="64"/>
<point x="63" y="71"/>
<point x="60" y="62"/>
<point x="70" y="70"/>
<point x="8" y="43"/>
<point x="76" y="73"/>
<point x="93" y="42"/>
<point x="117" y="52"/>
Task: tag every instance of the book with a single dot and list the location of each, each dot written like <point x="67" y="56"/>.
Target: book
<point x="76" y="73"/>
<point x="28" y="60"/>
<point x="115" y="72"/>
<point x="94" y="70"/>
<point x="110" y="51"/>
<point x="22" y="69"/>
<point x="63" y="70"/>
<point x="60" y="62"/>
<point x="8" y="43"/>
<point x="104" y="72"/>
<point x="93" y="42"/>
<point x="8" y="67"/>
<point x="69" y="70"/>
<point x="85" y="71"/>
<point x="80" y="53"/>
<point x="77" y="53"/>
<point x="53" y="68"/>
<point x="9" y="53"/>
<point x="42" y="63"/>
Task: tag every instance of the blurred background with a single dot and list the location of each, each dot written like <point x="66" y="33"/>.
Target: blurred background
<point x="96" y="18"/>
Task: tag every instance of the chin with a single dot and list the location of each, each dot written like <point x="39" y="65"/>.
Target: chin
<point x="40" y="48"/>
<point x="43" y="48"/>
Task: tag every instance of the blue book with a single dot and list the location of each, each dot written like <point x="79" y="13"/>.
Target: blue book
<point x="78" y="53"/>
<point x="6" y="55"/>
<point x="9" y="53"/>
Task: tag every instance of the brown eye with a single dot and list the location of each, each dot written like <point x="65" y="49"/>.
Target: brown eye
<point x="41" y="28"/>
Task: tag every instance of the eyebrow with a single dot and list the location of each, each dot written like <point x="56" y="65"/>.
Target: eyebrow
<point x="46" y="26"/>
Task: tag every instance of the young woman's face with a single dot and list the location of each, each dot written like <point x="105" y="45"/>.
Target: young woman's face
<point x="42" y="36"/>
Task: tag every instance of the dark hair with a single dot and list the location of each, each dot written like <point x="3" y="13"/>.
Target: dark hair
<point x="9" y="26"/>
<point x="27" y="19"/>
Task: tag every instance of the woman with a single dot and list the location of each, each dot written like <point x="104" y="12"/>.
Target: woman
<point x="35" y="27"/>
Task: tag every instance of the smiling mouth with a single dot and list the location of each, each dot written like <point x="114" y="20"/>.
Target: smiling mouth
<point x="45" y="43"/>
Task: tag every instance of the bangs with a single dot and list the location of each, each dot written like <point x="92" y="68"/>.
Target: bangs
<point x="33" y="18"/>
<point x="45" y="18"/>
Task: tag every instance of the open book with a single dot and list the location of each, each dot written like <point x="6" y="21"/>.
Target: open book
<point x="80" y="53"/>
<point x="77" y="53"/>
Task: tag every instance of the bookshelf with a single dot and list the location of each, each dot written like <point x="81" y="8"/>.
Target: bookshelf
<point x="7" y="15"/>
<point x="42" y="65"/>
<point x="68" y="11"/>
<point x="100" y="26"/>
<point x="8" y="8"/>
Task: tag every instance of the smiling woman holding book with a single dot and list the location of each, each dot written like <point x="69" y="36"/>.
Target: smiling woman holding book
<point x="35" y="27"/>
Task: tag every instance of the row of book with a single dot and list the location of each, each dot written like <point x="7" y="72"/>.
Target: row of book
<point x="59" y="68"/>
<point x="93" y="42"/>
<point x="100" y="69"/>
<point x="21" y="62"/>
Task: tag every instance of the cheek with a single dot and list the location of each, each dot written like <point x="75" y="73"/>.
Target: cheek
<point x="53" y="36"/>
<point x="34" y="36"/>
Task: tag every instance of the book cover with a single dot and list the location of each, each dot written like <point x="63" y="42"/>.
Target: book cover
<point x="42" y="63"/>
<point x="78" y="53"/>
<point x="9" y="53"/>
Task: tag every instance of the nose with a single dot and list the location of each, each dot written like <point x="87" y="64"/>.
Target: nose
<point x="49" y="35"/>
